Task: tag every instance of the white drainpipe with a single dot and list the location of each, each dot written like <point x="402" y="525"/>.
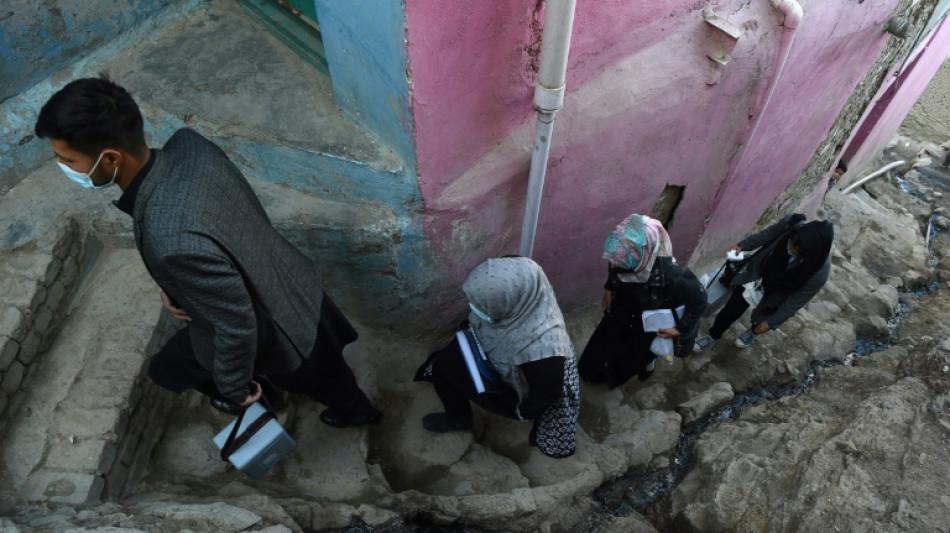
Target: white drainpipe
<point x="873" y="175"/>
<point x="548" y="98"/>
<point x="793" y="17"/>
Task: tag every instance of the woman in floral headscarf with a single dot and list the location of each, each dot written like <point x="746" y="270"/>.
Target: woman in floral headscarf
<point x="642" y="275"/>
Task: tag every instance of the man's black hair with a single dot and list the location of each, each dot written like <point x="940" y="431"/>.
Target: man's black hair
<point x="842" y="165"/>
<point x="92" y="114"/>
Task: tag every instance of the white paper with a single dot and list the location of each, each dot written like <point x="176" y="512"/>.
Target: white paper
<point x="470" y="362"/>
<point x="656" y="319"/>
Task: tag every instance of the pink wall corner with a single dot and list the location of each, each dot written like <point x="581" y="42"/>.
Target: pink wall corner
<point x="894" y="101"/>
<point x="827" y="60"/>
<point x="638" y="115"/>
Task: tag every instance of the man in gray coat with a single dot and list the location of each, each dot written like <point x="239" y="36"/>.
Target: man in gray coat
<point x="793" y="262"/>
<point x="254" y="304"/>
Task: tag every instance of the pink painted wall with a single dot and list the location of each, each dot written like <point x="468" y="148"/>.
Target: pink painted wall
<point x="835" y="46"/>
<point x="894" y="101"/>
<point x="638" y="115"/>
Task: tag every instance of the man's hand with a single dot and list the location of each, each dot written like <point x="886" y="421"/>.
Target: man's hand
<point x="668" y="333"/>
<point x="605" y="302"/>
<point x="762" y="327"/>
<point x="256" y="387"/>
<point x="175" y="312"/>
<point x="735" y="249"/>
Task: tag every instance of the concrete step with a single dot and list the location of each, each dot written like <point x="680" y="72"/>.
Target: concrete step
<point x="67" y="425"/>
<point x="219" y="65"/>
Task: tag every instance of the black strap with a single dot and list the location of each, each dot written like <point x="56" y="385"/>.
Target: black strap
<point x="235" y="441"/>
<point x="715" y="276"/>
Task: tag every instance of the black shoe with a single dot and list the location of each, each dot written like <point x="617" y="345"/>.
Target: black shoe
<point x="226" y="407"/>
<point x="444" y="422"/>
<point x="332" y="417"/>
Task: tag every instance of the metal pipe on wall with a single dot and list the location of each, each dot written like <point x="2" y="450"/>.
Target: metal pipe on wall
<point x="548" y="99"/>
<point x="873" y="175"/>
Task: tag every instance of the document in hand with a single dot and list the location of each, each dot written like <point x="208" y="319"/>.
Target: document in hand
<point x="656" y="319"/>
<point x="483" y="376"/>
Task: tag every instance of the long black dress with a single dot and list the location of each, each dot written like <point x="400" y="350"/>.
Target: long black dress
<point x="619" y="348"/>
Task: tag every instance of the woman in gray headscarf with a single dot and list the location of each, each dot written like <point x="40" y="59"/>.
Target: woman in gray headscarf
<point x="519" y="327"/>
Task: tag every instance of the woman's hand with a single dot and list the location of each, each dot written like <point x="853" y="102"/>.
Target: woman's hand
<point x="762" y="327"/>
<point x="735" y="249"/>
<point x="668" y="333"/>
<point x="605" y="302"/>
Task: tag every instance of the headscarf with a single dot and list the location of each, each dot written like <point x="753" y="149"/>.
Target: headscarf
<point x="814" y="240"/>
<point x="635" y="244"/>
<point x="526" y="322"/>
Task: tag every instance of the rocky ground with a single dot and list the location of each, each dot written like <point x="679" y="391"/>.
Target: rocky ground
<point x="864" y="449"/>
<point x="88" y="445"/>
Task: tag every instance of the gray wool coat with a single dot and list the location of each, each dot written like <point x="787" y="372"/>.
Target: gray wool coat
<point x="776" y="308"/>
<point x="208" y="243"/>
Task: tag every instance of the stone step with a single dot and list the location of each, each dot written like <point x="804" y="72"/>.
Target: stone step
<point x="66" y="429"/>
<point x="35" y="285"/>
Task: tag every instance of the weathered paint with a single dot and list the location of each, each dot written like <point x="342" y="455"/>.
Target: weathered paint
<point x="366" y="53"/>
<point x="645" y="108"/>
<point x="835" y="46"/>
<point x="38" y="38"/>
<point x="80" y="53"/>
<point x="895" y="100"/>
<point x="639" y="115"/>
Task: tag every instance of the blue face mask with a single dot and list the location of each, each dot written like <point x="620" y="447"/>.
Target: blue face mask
<point x="480" y="314"/>
<point x="83" y="179"/>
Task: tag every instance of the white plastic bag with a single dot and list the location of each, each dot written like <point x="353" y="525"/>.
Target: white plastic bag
<point x="752" y="292"/>
<point x="661" y="319"/>
<point x="663" y="349"/>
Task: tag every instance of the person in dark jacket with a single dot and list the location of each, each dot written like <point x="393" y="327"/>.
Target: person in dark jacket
<point x="519" y="328"/>
<point x="793" y="264"/>
<point x="254" y="303"/>
<point x="642" y="276"/>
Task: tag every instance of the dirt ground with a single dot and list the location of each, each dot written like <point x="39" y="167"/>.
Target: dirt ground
<point x="930" y="117"/>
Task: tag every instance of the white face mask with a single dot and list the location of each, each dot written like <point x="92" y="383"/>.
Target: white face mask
<point x="83" y="179"/>
<point x="480" y="314"/>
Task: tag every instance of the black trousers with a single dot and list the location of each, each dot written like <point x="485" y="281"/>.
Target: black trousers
<point x="729" y="313"/>
<point x="324" y="376"/>
<point x="617" y="350"/>
<point x="454" y="386"/>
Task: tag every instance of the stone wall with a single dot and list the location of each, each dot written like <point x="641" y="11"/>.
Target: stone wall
<point x="35" y="288"/>
<point x="148" y="408"/>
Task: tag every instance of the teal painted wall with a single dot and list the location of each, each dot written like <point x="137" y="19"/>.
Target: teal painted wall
<point x="38" y="37"/>
<point x="365" y="44"/>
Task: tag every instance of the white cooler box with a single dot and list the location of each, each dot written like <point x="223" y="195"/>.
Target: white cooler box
<point x="269" y="445"/>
